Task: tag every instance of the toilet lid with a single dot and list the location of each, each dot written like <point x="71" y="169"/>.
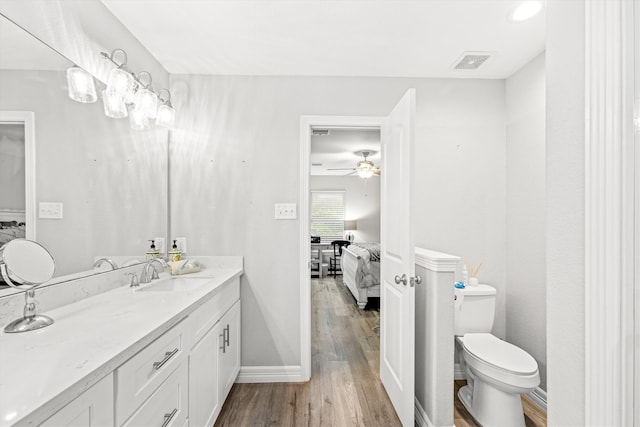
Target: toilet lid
<point x="500" y="354"/>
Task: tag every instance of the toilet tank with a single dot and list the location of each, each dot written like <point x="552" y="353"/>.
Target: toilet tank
<point x="475" y="308"/>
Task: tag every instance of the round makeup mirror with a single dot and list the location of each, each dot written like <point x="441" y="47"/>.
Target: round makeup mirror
<point x="25" y="264"/>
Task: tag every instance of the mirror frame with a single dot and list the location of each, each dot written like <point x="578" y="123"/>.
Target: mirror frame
<point x="27" y="119"/>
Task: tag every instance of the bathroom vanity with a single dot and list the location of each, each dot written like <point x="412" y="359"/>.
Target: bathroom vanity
<point x="165" y="354"/>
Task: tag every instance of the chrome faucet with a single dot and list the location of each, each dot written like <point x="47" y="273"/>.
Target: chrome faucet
<point x="100" y="261"/>
<point x="145" y="277"/>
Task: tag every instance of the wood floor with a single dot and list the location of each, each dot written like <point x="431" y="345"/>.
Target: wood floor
<point x="345" y="388"/>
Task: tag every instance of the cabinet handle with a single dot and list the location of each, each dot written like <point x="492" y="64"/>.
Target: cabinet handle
<point x="224" y="346"/>
<point x="169" y="417"/>
<point x="226" y="331"/>
<point x="168" y="355"/>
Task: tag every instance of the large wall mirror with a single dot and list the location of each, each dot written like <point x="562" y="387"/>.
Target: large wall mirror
<point x="110" y="180"/>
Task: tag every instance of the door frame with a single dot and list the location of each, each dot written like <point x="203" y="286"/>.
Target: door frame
<point x="307" y="123"/>
<point x="27" y="118"/>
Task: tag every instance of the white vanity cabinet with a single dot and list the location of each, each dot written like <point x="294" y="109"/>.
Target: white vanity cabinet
<point x="214" y="360"/>
<point x="92" y="408"/>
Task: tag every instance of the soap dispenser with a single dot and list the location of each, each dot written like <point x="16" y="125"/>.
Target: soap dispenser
<point x="152" y="252"/>
<point x="174" y="253"/>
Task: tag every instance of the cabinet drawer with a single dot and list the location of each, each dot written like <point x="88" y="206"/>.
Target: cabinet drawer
<point x="168" y="405"/>
<point x="141" y="375"/>
<point x="93" y="408"/>
<point x="205" y="316"/>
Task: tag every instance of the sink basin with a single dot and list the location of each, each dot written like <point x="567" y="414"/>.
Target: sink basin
<point x="175" y="284"/>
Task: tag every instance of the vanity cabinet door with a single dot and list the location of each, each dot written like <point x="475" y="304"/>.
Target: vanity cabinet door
<point x="92" y="408"/>
<point x="204" y="397"/>
<point x="229" y="350"/>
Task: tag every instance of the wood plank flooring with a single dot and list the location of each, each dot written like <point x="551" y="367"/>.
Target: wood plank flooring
<point x="344" y="389"/>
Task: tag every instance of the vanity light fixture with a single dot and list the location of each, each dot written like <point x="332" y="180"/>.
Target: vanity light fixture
<point x="126" y="94"/>
<point x="145" y="100"/>
<point x="80" y="85"/>
<point x="166" y="114"/>
<point x="114" y="106"/>
<point x="120" y="83"/>
<point x="137" y="119"/>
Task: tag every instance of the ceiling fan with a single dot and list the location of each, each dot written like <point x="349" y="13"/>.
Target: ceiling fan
<point x="364" y="168"/>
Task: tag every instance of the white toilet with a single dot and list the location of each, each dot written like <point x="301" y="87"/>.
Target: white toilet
<point x="497" y="372"/>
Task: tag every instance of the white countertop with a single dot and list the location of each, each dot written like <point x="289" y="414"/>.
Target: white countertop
<point x="43" y="370"/>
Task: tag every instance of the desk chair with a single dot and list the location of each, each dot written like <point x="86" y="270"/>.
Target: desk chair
<point x="334" y="262"/>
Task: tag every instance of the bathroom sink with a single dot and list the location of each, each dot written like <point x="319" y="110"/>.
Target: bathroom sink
<point x="175" y="284"/>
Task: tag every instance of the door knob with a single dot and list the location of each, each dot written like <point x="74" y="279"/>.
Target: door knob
<point x="402" y="279"/>
<point x="415" y="280"/>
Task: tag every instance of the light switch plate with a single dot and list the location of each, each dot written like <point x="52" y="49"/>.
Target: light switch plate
<point x="286" y="211"/>
<point x="160" y="245"/>
<point x="181" y="243"/>
<point x="50" y="210"/>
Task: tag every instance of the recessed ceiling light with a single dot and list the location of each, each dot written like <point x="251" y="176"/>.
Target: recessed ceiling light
<point x="525" y="10"/>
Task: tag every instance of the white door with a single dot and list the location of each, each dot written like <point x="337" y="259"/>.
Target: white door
<point x="397" y="268"/>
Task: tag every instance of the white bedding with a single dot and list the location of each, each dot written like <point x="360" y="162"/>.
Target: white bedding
<point x="359" y="273"/>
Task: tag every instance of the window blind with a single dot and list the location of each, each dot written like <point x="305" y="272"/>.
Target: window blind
<point x="327" y="215"/>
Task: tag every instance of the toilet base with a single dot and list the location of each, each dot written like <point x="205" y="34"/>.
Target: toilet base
<point x="492" y="407"/>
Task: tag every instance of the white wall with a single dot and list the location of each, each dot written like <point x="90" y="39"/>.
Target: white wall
<point x="565" y="122"/>
<point x="526" y="212"/>
<point x="362" y="202"/>
<point x="112" y="180"/>
<point x="237" y="153"/>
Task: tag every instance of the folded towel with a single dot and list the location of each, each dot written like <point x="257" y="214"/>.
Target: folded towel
<point x="184" y="266"/>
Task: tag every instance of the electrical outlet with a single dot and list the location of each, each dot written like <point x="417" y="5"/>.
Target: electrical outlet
<point x="50" y="210"/>
<point x="286" y="211"/>
<point x="160" y="245"/>
<point x="181" y="243"/>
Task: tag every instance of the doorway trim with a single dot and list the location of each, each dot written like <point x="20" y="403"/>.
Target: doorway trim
<point x="27" y="118"/>
<point x="307" y="123"/>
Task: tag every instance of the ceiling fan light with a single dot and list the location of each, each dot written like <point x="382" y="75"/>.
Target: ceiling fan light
<point x="365" y="169"/>
<point x="80" y="85"/>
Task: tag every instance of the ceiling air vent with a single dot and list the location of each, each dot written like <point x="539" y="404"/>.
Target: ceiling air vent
<point x="471" y="60"/>
<point x="319" y="131"/>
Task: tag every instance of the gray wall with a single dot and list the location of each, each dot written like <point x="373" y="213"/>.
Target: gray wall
<point x="526" y="212"/>
<point x="362" y="202"/>
<point x="565" y="123"/>
<point x="236" y="153"/>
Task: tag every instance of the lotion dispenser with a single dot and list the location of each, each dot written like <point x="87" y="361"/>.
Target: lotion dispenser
<point x="152" y="252"/>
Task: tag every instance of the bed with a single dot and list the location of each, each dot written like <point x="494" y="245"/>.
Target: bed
<point x="361" y="271"/>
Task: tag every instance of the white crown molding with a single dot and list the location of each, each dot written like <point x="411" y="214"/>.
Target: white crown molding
<point x="436" y="261"/>
<point x="609" y="212"/>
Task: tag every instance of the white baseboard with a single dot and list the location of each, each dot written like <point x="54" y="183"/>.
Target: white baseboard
<point x="458" y="372"/>
<point x="270" y="374"/>
<point x="422" y="419"/>
<point x="539" y="397"/>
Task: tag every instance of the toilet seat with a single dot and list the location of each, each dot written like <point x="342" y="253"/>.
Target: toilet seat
<point x="500" y="354"/>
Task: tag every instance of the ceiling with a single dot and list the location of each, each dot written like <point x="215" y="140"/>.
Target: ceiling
<point x="338" y="150"/>
<point x="374" y="38"/>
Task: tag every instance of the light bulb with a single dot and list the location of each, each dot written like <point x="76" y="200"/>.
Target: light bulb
<point x="166" y="116"/>
<point x="137" y="120"/>
<point x="146" y="102"/>
<point x="81" y="86"/>
<point x="114" y="106"/>
<point x="120" y="83"/>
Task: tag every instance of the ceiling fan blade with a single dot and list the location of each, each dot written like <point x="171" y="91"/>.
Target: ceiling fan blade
<point x="341" y="169"/>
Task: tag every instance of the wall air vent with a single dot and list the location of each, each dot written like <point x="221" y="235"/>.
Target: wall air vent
<point x="318" y="132"/>
<point x="471" y="60"/>
<point x="316" y="164"/>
